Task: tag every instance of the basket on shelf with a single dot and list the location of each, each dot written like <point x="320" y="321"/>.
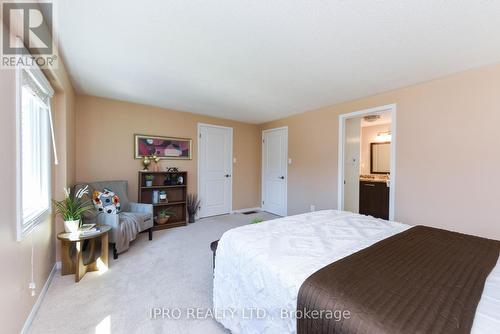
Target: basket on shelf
<point x="162" y="220"/>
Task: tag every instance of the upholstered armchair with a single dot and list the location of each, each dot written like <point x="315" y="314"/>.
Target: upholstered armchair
<point x="132" y="219"/>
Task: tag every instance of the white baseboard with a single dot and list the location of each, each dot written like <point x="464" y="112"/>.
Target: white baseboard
<point x="245" y="210"/>
<point x="41" y="296"/>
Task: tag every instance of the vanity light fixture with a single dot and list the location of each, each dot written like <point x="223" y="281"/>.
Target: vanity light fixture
<point x="371" y="118"/>
<point x="384" y="136"/>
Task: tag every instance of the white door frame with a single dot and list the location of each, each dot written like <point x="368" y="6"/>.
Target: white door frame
<point x="231" y="160"/>
<point x="286" y="167"/>
<point x="392" y="194"/>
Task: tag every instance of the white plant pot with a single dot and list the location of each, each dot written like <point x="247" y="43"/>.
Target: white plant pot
<point x="149" y="183"/>
<point x="71" y="226"/>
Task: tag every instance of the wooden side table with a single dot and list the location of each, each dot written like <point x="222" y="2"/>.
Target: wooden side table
<point x="73" y="243"/>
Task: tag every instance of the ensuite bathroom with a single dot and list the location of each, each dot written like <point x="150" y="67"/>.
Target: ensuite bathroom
<point x="367" y="170"/>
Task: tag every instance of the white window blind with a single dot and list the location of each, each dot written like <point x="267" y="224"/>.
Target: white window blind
<point x="34" y="142"/>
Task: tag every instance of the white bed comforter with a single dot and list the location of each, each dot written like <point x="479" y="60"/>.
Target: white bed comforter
<point x="260" y="268"/>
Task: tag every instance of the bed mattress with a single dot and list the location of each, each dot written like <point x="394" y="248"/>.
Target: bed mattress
<point x="261" y="267"/>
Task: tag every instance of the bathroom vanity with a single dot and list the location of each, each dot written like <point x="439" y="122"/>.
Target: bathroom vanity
<point x="374" y="198"/>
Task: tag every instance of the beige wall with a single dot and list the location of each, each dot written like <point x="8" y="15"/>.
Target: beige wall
<point x="105" y="145"/>
<point x="447" y="154"/>
<point x="16" y="301"/>
<point x="368" y="136"/>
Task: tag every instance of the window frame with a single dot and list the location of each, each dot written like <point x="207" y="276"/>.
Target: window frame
<point x="24" y="228"/>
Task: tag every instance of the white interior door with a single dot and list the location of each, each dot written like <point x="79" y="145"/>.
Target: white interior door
<point x="215" y="157"/>
<point x="274" y="170"/>
<point x="351" y="164"/>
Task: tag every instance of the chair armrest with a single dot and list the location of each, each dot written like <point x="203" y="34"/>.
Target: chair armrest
<point x="141" y="207"/>
<point x="110" y="219"/>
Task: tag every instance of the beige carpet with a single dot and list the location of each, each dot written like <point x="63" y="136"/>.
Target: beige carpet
<point x="172" y="271"/>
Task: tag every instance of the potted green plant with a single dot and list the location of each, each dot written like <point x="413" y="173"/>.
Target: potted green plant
<point x="164" y="216"/>
<point x="193" y="205"/>
<point x="72" y="207"/>
<point x="149" y="180"/>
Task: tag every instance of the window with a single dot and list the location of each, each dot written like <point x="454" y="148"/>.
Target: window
<point x="34" y="149"/>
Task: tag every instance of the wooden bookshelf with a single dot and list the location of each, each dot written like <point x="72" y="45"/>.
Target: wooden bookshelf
<point x="176" y="196"/>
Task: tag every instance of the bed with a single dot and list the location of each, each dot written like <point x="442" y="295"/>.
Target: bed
<point x="261" y="267"/>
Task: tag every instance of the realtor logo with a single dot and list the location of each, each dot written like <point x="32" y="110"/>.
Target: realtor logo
<point x="27" y="36"/>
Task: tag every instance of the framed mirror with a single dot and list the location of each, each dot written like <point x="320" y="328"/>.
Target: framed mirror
<point x="380" y="158"/>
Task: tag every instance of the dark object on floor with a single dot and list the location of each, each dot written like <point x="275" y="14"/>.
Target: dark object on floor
<point x="213" y="247"/>
<point x="115" y="252"/>
<point x="249" y="212"/>
<point x="422" y="280"/>
<point x="192" y="206"/>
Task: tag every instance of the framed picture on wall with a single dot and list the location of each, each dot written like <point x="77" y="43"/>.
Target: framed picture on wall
<point x="163" y="147"/>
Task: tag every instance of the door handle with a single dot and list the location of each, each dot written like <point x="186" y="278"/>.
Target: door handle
<point x="281" y="177"/>
<point x="227" y="175"/>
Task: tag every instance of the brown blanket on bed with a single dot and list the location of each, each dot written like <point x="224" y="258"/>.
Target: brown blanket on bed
<point x="423" y="280"/>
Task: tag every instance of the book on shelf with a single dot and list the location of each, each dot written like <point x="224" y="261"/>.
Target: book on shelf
<point x="156" y="196"/>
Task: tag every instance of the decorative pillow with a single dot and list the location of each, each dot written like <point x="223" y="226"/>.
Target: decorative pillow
<point x="106" y="201"/>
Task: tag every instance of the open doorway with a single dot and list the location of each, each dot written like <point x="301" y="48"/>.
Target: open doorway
<point x="367" y="161"/>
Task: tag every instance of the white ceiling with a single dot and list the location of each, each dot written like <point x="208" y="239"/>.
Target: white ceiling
<point x="259" y="60"/>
